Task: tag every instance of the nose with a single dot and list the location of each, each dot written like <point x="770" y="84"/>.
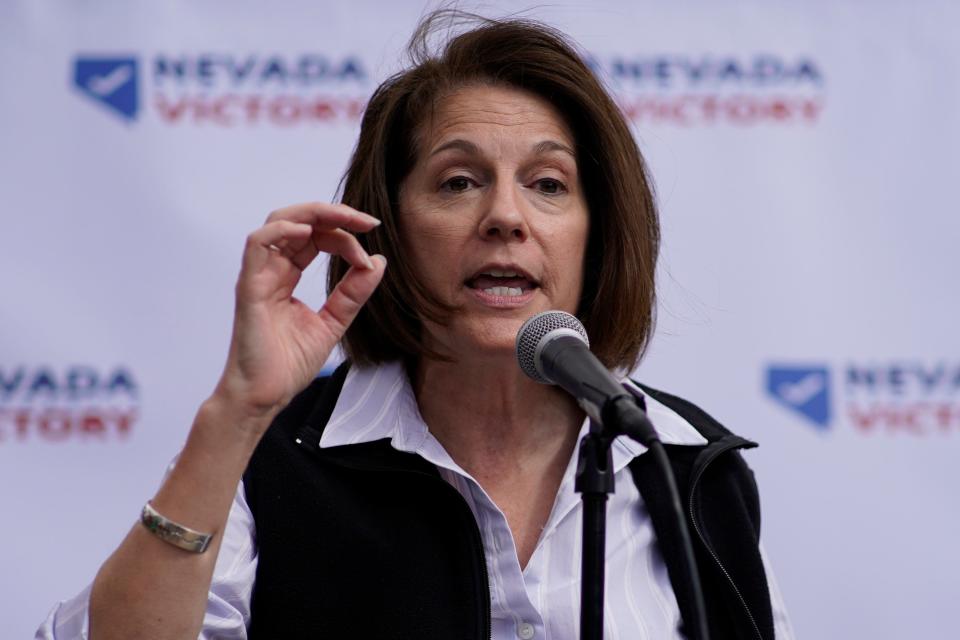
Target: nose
<point x="502" y="217"/>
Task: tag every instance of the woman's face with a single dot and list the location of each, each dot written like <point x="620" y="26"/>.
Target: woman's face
<point x="493" y="216"/>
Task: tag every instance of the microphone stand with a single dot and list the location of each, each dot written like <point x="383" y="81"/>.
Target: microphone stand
<point x="594" y="482"/>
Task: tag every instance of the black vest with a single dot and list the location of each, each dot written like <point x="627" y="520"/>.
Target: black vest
<point x="366" y="541"/>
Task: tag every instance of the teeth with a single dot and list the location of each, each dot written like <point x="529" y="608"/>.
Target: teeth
<point x="504" y="291"/>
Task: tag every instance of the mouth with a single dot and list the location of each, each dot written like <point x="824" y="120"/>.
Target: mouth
<point x="506" y="281"/>
<point x="502" y="285"/>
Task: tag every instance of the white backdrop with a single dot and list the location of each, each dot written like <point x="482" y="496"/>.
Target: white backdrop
<point x="805" y="157"/>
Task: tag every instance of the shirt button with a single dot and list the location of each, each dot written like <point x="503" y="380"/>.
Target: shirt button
<point x="525" y="631"/>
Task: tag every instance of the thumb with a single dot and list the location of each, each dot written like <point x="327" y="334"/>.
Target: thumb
<point x="344" y="302"/>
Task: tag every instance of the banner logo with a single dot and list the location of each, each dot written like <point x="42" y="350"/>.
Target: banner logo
<point x="74" y="403"/>
<point x="228" y="89"/>
<point x="715" y="88"/>
<point x="912" y="397"/>
<point x="110" y="81"/>
<point x="805" y="390"/>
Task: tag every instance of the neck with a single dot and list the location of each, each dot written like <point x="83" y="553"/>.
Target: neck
<point x="492" y="419"/>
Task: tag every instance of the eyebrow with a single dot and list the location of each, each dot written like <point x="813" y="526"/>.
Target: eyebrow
<point x="458" y="144"/>
<point x="470" y="148"/>
<point x="552" y="145"/>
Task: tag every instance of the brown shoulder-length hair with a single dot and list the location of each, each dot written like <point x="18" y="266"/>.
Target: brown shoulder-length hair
<point x="617" y="301"/>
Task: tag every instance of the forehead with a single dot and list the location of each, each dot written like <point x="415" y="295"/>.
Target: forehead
<point x="504" y="112"/>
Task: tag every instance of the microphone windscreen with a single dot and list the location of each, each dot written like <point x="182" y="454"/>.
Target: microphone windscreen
<point x="536" y="332"/>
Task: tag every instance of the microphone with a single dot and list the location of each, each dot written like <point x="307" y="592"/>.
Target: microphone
<point x="552" y="348"/>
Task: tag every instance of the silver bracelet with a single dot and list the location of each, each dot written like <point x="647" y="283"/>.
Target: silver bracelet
<point x="173" y="533"/>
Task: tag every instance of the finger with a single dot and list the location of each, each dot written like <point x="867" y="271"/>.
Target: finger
<point x="325" y="215"/>
<point x="278" y="237"/>
<point x="336" y="241"/>
<point x="344" y="302"/>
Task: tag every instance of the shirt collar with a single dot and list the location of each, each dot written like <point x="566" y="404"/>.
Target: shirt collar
<point x="378" y="402"/>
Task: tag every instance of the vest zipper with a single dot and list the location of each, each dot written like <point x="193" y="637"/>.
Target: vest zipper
<point x="481" y="554"/>
<point x="696" y="527"/>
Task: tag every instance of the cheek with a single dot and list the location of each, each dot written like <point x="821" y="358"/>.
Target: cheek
<point x="570" y="238"/>
<point x="436" y="230"/>
<point x="435" y="244"/>
<point x="426" y="220"/>
<point x="568" y="253"/>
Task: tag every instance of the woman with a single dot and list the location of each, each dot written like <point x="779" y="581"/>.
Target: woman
<point x="425" y="490"/>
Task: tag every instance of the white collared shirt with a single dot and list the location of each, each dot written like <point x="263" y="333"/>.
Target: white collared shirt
<point x="540" y="601"/>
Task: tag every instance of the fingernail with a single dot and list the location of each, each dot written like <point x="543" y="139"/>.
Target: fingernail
<point x="382" y="258"/>
<point x="368" y="263"/>
<point x="376" y="221"/>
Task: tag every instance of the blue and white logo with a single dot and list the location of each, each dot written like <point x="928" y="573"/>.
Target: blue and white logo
<point x="805" y="390"/>
<point x="110" y="81"/>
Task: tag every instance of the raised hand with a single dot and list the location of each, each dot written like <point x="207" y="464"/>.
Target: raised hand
<point x="279" y="343"/>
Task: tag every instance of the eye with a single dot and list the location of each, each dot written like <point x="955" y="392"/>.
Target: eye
<point x="456" y="184"/>
<point x="550" y="186"/>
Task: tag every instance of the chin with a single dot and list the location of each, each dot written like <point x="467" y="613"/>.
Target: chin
<point x="485" y="337"/>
